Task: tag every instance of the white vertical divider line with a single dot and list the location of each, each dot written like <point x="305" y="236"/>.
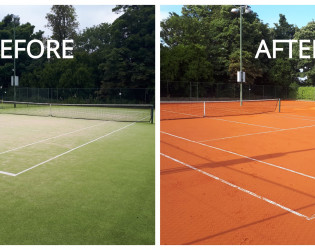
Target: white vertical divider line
<point x="157" y="123"/>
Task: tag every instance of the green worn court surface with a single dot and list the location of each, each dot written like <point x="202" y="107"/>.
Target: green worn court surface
<point x="100" y="192"/>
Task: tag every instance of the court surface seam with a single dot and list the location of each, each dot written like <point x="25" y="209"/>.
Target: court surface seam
<point x="241" y="189"/>
<point x="57" y="156"/>
<point x="244" y="156"/>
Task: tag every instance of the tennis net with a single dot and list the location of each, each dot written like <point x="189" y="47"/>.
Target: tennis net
<point x="108" y="112"/>
<point x="186" y="110"/>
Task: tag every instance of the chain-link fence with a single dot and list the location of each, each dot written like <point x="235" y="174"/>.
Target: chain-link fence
<point x="201" y="91"/>
<point x="80" y="95"/>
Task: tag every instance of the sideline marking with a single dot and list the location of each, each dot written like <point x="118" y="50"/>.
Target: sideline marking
<point x="241" y="189"/>
<point x="50" y="138"/>
<point x="244" y="156"/>
<point x="57" y="156"/>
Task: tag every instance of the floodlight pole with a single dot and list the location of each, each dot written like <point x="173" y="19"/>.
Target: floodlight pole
<point x="14" y="68"/>
<point x="241" y="9"/>
<point x="241" y="59"/>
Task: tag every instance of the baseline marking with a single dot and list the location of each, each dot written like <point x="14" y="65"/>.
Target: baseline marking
<point x="7" y="173"/>
<point x="244" y="156"/>
<point x="241" y="189"/>
<point x="50" y="138"/>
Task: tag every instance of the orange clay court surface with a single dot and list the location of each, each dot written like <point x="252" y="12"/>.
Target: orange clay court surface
<point x="244" y="179"/>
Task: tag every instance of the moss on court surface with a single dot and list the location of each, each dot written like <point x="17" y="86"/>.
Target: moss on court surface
<point x="102" y="193"/>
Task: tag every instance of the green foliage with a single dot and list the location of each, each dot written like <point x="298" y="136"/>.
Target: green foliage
<point x="293" y="90"/>
<point x="306" y="93"/>
<point x="252" y="66"/>
<point x="130" y="56"/>
<point x="283" y="30"/>
<point x="186" y="63"/>
<point x="62" y="20"/>
<point x="121" y="54"/>
<point x="308" y="65"/>
<point x="211" y="35"/>
<point x="281" y="72"/>
<point x="24" y="62"/>
<point x="215" y="30"/>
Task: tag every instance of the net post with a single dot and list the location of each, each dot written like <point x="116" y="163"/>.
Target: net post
<point x="279" y="105"/>
<point x="204" y="109"/>
<point x="50" y="113"/>
<point x="151" y="120"/>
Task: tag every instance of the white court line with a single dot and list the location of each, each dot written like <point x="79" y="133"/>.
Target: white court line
<point x="169" y="111"/>
<point x="258" y="133"/>
<point x="304" y="118"/>
<point x="57" y="156"/>
<point x="298" y="117"/>
<point x="242" y="123"/>
<point x="7" y="173"/>
<point x="244" y="156"/>
<point x="241" y="189"/>
<point x="50" y="138"/>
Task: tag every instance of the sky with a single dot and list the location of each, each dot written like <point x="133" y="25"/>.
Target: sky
<point x="87" y="15"/>
<point x="298" y="15"/>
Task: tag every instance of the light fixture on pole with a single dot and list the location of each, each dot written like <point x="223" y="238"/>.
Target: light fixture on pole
<point x="241" y="75"/>
<point x="15" y="18"/>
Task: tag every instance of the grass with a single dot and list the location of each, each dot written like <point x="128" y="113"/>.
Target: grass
<point x="102" y="193"/>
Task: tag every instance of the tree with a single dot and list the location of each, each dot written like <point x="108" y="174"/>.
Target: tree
<point x="24" y="63"/>
<point x="283" y="30"/>
<point x="281" y="71"/>
<point x="306" y="66"/>
<point x="214" y="30"/>
<point x="130" y="58"/>
<point x="62" y="20"/>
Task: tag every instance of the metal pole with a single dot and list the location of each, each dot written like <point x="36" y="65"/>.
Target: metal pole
<point x="14" y="90"/>
<point x="241" y="62"/>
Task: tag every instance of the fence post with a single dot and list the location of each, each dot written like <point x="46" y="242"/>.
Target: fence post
<point x="263" y="91"/>
<point x="189" y="91"/>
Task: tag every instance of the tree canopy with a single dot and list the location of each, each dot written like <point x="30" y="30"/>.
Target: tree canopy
<point x="203" y="44"/>
<point x="107" y="55"/>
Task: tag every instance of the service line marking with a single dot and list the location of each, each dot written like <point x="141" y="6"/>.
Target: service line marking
<point x="57" y="156"/>
<point x="241" y="189"/>
<point x="50" y="138"/>
<point x="243" y="156"/>
<point x="251" y="124"/>
<point x="258" y="133"/>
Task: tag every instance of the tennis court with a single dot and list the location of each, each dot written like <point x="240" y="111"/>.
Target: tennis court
<point x="76" y="181"/>
<point x="238" y="175"/>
